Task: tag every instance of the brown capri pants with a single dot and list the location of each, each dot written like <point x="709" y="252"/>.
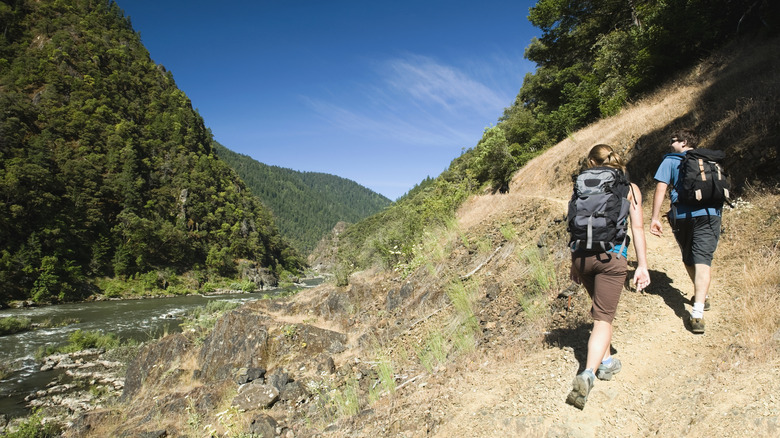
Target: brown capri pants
<point x="603" y="275"/>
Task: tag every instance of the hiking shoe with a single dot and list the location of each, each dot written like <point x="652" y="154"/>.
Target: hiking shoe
<point x="706" y="302"/>
<point x="581" y="387"/>
<point x="697" y="324"/>
<point x="606" y="372"/>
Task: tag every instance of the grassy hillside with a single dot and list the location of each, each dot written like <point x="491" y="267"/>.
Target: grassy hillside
<point x="306" y="205"/>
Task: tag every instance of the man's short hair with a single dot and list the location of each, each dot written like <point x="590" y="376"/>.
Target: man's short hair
<point x="687" y="135"/>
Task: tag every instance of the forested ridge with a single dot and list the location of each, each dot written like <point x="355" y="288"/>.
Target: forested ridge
<point x="105" y="168"/>
<point x="593" y="58"/>
<point x="306" y="205"/>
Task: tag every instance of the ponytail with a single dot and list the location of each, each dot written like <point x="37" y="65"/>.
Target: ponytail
<point x="604" y="155"/>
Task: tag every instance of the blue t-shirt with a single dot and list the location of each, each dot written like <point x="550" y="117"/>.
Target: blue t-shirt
<point x="669" y="172"/>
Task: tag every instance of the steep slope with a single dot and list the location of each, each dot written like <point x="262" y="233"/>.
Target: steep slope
<point x="105" y="167"/>
<point x="477" y="341"/>
<point x="306" y="205"/>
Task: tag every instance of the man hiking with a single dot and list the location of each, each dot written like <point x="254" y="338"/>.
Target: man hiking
<point x="695" y="222"/>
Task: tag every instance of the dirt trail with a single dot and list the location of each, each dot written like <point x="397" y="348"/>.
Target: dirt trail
<point x="673" y="383"/>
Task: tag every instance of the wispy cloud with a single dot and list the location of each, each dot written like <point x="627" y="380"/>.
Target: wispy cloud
<point x="427" y="132"/>
<point x="415" y="100"/>
<point x="429" y="82"/>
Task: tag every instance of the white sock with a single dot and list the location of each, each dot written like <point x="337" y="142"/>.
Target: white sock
<point x="698" y="310"/>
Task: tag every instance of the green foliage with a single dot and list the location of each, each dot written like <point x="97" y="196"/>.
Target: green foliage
<point x="105" y="167"/>
<point x="346" y="400"/>
<point x="82" y="340"/>
<point x="540" y="283"/>
<point x="433" y="353"/>
<point x="543" y="279"/>
<point x="153" y="283"/>
<point x="306" y="205"/>
<point x="388" y="239"/>
<point x="492" y="160"/>
<point x="386" y="376"/>
<point x="462" y="297"/>
<point x="593" y="57"/>
<point x="35" y="427"/>
<point x="13" y="324"/>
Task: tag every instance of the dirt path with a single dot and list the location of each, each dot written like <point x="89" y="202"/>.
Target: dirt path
<point x="673" y="383"/>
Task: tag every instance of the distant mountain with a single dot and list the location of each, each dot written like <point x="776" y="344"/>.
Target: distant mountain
<point x="105" y="168"/>
<point x="306" y="205"/>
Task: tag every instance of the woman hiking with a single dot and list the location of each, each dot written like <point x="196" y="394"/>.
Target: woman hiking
<point x="599" y="251"/>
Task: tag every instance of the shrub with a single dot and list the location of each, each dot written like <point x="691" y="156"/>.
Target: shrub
<point x="83" y="340"/>
<point x="34" y="427"/>
<point x="13" y="324"/>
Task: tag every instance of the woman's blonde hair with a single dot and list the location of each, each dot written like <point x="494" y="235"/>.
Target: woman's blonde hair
<point x="604" y="155"/>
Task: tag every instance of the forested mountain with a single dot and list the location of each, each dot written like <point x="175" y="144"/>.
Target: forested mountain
<point x="305" y="205"/>
<point x="593" y="58"/>
<point x="105" y="168"/>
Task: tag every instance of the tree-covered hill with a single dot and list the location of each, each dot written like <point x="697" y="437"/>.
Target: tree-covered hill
<point x="306" y="205"/>
<point x="105" y="168"/>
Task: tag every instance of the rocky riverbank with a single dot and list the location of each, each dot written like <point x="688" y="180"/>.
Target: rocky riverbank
<point x="84" y="381"/>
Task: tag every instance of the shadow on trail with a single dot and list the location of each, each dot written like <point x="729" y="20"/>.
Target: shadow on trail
<point x="576" y="332"/>
<point x="661" y="285"/>
<point x="576" y="338"/>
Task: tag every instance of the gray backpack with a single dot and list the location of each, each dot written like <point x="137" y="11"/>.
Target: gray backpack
<point x="598" y="210"/>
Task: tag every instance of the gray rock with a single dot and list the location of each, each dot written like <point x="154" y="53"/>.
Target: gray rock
<point x="263" y="426"/>
<point x="326" y="365"/>
<point x="239" y="340"/>
<point x="278" y="379"/>
<point x="256" y="396"/>
<point x="246" y="375"/>
<point x="397" y="296"/>
<point x="148" y="362"/>
<point x="293" y="392"/>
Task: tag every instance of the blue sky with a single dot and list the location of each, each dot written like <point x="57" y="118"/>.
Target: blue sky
<point x="382" y="93"/>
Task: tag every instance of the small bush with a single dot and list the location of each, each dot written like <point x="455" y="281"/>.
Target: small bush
<point x="34" y="427"/>
<point x="84" y="340"/>
<point x="14" y="324"/>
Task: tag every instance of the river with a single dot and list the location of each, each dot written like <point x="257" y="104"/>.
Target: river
<point x="140" y="319"/>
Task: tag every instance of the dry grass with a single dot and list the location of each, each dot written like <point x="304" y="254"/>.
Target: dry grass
<point x="750" y="254"/>
<point x="759" y="306"/>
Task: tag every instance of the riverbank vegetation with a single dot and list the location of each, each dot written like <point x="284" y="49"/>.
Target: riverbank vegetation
<point x="13" y="324"/>
<point x="81" y="340"/>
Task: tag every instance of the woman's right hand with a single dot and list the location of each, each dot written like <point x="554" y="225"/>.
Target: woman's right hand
<point x="656" y="227"/>
<point x="641" y="278"/>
